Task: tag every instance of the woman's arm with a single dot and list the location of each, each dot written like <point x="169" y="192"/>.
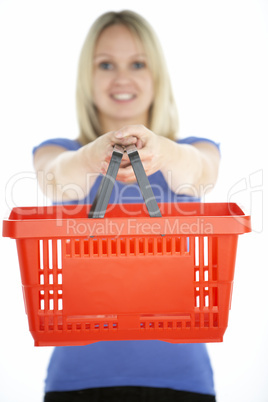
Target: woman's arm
<point x="190" y="169"/>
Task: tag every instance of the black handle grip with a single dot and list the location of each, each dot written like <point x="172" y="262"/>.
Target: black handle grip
<point x="104" y="192"/>
<point x="143" y="182"/>
<point x="103" y="195"/>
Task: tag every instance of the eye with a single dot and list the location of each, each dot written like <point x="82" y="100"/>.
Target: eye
<point x="137" y="65"/>
<point x="105" y="65"/>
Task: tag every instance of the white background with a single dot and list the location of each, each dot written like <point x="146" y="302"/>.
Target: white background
<point x="217" y="54"/>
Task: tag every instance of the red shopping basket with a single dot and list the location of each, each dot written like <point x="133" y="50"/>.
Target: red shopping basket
<point x="129" y="275"/>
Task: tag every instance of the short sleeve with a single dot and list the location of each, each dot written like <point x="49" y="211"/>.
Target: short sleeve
<point x="70" y="145"/>
<point x="193" y="140"/>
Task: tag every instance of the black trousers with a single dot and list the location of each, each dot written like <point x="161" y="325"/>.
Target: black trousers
<point x="127" y="394"/>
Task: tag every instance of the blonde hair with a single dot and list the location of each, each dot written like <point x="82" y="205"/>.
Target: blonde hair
<point x="163" y="113"/>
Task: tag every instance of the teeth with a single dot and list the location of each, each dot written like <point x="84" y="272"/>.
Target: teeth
<point x="123" y="96"/>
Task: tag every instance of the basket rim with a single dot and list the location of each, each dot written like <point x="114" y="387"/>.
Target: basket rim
<point x="63" y="221"/>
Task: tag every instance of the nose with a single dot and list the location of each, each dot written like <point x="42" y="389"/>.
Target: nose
<point x="122" y="75"/>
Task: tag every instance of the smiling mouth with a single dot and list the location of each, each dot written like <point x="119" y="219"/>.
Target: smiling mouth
<point x="123" y="97"/>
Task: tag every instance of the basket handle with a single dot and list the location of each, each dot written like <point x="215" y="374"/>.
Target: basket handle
<point x="104" y="192"/>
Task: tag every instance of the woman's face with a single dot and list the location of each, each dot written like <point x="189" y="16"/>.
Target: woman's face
<point x="122" y="82"/>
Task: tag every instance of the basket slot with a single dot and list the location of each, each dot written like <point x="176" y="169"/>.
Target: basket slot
<point x="59" y="254"/>
<point x="206" y="270"/>
<point x="112" y="247"/>
<point x="205" y="248"/>
<point x="50" y="254"/>
<point x="196" y="251"/>
<point x="59" y="279"/>
<point x="95" y="247"/>
<point x="60" y="303"/>
<point x="131" y="246"/>
<point x="51" y="300"/>
<point x="45" y="261"/>
<point x="214" y="259"/>
<point x="206" y="297"/>
<point x="202" y="255"/>
<point x="41" y="300"/>
<point x="41" y="279"/>
<point x="67" y="248"/>
<point x="76" y="247"/>
<point x="122" y="247"/>
<point x="41" y="257"/>
<point x="197" y="297"/>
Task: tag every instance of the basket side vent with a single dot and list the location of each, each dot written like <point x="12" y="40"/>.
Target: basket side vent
<point x="50" y="275"/>
<point x="205" y="278"/>
<point x="126" y="246"/>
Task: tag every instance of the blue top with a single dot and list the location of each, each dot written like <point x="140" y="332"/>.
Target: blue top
<point x="184" y="367"/>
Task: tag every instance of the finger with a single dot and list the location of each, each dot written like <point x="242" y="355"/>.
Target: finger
<point x="127" y="140"/>
<point x="137" y="130"/>
<point x="116" y="137"/>
<point x="139" y="143"/>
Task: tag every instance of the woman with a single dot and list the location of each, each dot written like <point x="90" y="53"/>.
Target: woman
<point x="124" y="97"/>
